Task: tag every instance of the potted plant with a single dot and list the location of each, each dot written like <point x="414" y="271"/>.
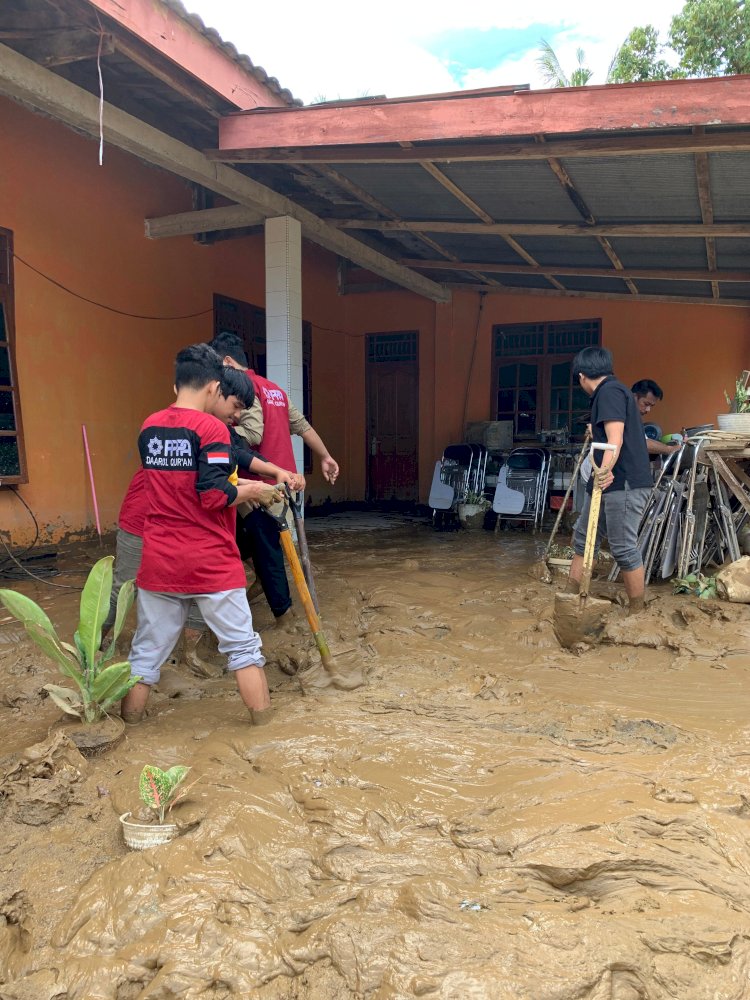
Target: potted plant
<point x="160" y="790"/>
<point x="738" y="418"/>
<point x="472" y="509"/>
<point x="98" y="686"/>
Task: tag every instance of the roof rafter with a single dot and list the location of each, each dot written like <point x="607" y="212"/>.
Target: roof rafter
<point x="703" y="180"/>
<point x="626" y="274"/>
<point x="637" y="144"/>
<point x="678" y="229"/>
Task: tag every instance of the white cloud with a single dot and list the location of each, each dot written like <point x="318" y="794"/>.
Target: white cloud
<point x="345" y="50"/>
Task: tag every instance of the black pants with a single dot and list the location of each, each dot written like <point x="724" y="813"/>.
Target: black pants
<point x="258" y="539"/>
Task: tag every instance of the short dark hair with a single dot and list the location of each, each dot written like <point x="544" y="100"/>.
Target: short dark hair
<point x="196" y="366"/>
<point x="229" y="344"/>
<point x="646" y="386"/>
<point x="236" y="383"/>
<point x="593" y="362"/>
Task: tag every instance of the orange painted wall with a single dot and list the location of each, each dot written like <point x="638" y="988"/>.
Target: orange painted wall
<point x="692" y="351"/>
<point x="83" y="226"/>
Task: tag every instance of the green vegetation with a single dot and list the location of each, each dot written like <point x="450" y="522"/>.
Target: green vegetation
<point x="98" y="686"/>
<point x="160" y="790"/>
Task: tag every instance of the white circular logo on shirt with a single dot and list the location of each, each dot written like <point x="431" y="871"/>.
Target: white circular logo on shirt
<point x="155" y="447"/>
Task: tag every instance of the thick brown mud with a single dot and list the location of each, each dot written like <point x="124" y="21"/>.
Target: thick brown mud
<point x="488" y="816"/>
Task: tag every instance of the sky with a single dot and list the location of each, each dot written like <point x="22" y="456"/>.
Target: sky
<point x="330" y="50"/>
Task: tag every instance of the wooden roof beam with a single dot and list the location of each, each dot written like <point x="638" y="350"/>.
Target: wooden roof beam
<point x="617" y="296"/>
<point x="206" y="220"/>
<point x="626" y="274"/>
<point x="62" y="46"/>
<point x="703" y="180"/>
<point x="38" y="88"/>
<point x="677" y="229"/>
<point x="627" y="107"/>
<point x="637" y="144"/>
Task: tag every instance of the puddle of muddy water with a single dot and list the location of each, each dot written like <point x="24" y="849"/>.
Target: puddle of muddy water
<point x="488" y="816"/>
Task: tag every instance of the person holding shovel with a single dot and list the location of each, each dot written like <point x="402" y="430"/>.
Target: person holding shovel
<point x="189" y="547"/>
<point x="624" y="475"/>
<point x="268" y="426"/>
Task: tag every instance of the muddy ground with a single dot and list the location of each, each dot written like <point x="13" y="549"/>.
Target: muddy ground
<point x="486" y="817"/>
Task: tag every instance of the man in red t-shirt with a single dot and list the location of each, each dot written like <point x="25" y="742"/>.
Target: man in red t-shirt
<point x="268" y="426"/>
<point x="189" y="547"/>
<point x="236" y="393"/>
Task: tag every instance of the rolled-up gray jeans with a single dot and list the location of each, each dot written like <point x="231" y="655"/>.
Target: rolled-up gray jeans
<point x="127" y="563"/>
<point x="619" y="519"/>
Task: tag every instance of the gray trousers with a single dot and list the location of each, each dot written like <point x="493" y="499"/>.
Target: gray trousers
<point x="161" y="618"/>
<point x="127" y="563"/>
<point x="619" y="518"/>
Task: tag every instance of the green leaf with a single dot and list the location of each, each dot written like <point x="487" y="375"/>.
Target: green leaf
<point x="154" y="789"/>
<point x="125" y="600"/>
<point x="64" y="698"/>
<point x="94" y="608"/>
<point x="110" y="679"/>
<point x="115" y="695"/>
<point x="176" y="775"/>
<point x="25" y="610"/>
<point x="50" y="644"/>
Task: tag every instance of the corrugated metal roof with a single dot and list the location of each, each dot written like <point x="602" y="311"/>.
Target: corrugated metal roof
<point x="229" y="50"/>
<point x="733" y="254"/>
<point x="566" y="251"/>
<point x="521" y="280"/>
<point x="514" y="192"/>
<point x="687" y="289"/>
<point x="730" y="186"/>
<point x="579" y="283"/>
<point x="484" y="249"/>
<point x="661" y="252"/>
<point x="408" y="190"/>
<point x="637" y="188"/>
<point x="735" y="290"/>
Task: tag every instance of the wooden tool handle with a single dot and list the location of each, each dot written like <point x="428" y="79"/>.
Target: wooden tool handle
<point x="299" y="579"/>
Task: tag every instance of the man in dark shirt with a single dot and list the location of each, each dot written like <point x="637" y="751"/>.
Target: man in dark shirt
<point x="647" y="394"/>
<point x="625" y="478"/>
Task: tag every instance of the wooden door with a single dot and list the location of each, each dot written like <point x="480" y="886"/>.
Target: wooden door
<point x="392" y="416"/>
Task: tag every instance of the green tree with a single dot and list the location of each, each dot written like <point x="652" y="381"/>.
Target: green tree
<point x="712" y="38"/>
<point x="638" y="59"/>
<point x="553" y="73"/>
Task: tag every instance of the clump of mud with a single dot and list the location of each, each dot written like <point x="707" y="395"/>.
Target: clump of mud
<point x="480" y="813"/>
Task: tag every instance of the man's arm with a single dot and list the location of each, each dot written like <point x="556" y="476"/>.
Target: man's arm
<point x="250" y="426"/>
<point x="659" y="448"/>
<point x="614" y="429"/>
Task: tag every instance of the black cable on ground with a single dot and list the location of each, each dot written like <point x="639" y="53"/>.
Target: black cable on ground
<point x="36" y="530"/>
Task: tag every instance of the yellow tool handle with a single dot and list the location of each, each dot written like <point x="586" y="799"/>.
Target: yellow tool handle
<point x="591" y="529"/>
<point x="302" y="589"/>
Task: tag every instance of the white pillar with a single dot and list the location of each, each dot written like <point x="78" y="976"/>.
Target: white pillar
<point x="284" y="311"/>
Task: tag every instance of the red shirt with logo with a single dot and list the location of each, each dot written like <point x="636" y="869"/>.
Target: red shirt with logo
<point x="277" y="441"/>
<point x="189" y="529"/>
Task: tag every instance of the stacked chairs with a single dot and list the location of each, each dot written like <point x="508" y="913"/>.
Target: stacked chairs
<point x="522" y="483"/>
<point x="461" y="470"/>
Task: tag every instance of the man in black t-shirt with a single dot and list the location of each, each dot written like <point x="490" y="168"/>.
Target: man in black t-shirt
<point x="625" y="478"/>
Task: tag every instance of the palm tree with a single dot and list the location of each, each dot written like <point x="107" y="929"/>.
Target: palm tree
<point x="553" y="72"/>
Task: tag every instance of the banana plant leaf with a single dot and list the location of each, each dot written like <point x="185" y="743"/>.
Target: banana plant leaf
<point x="94" y="608"/>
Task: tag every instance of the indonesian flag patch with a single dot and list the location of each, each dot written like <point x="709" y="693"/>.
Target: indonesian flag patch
<point x="217" y="457"/>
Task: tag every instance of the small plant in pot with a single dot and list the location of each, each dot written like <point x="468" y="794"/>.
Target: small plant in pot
<point x="98" y="686"/>
<point x="738" y="418"/>
<point x="160" y="790"/>
<point x="472" y="509"/>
